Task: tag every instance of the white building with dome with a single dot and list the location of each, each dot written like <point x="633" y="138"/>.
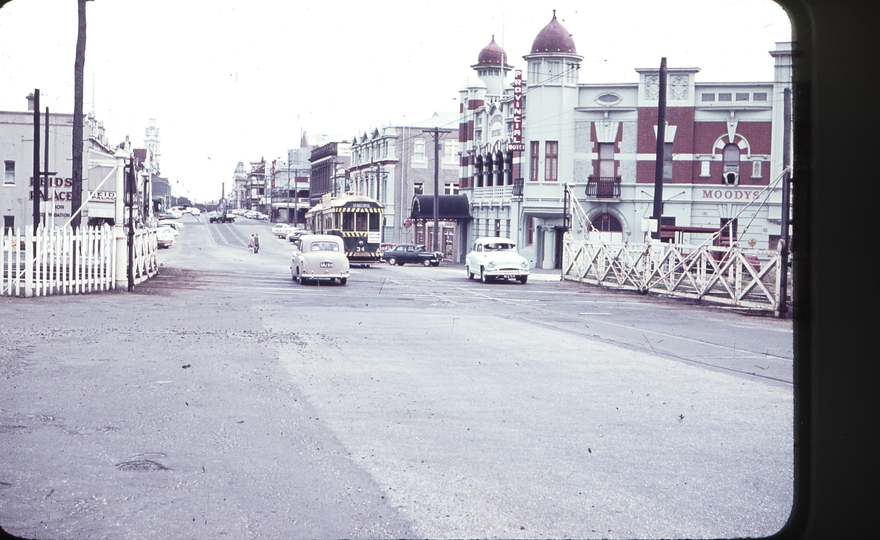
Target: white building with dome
<point x="723" y="150"/>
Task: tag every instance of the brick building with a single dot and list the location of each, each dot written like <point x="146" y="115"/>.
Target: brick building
<point x="722" y="158"/>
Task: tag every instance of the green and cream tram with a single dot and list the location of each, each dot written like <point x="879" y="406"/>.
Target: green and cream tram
<point x="357" y="219"/>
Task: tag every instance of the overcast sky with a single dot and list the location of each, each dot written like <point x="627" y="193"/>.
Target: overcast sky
<point x="234" y="81"/>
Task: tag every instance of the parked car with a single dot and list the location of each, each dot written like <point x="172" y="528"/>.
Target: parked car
<point x="413" y="254"/>
<point x="496" y="258"/>
<point x="294" y="235"/>
<point x="164" y="237"/>
<point x="319" y="257"/>
<point x="282" y="230"/>
<point x="172" y="224"/>
<point x="167" y="227"/>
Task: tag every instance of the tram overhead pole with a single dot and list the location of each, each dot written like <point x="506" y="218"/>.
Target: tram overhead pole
<point x="436" y="132"/>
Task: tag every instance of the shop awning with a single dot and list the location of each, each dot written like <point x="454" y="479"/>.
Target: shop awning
<point x="451" y="207"/>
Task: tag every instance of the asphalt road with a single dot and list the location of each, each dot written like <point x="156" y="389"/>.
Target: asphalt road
<point x="222" y="399"/>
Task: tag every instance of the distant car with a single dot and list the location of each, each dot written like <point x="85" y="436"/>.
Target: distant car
<point x="412" y="254"/>
<point x="167" y="226"/>
<point x="177" y="226"/>
<point x="164" y="237"/>
<point x="294" y="235"/>
<point x="194" y="211"/>
<point x="319" y="257"/>
<point x="261" y="217"/>
<point x="496" y="258"/>
<point x="282" y="230"/>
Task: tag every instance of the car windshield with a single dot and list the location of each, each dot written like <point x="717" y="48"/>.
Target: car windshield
<point x="324" y="246"/>
<point x="499" y="247"/>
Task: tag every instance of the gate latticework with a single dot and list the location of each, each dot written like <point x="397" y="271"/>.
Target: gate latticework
<point x="731" y="276"/>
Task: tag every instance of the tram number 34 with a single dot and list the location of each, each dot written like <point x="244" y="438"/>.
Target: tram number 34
<point x="359" y="248"/>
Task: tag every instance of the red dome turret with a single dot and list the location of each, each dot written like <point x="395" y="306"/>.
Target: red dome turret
<point x="553" y="38"/>
<point x="492" y="55"/>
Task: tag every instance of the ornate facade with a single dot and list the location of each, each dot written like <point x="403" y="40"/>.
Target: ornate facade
<point x="722" y="153"/>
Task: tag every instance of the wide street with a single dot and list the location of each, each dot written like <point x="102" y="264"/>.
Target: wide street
<point x="222" y="399"/>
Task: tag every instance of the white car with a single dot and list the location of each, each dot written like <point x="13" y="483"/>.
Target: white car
<point x="496" y="258"/>
<point x="165" y="237"/>
<point x="282" y="230"/>
<point x="319" y="257"/>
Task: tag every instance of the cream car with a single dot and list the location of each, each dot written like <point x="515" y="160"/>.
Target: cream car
<point x="319" y="257"/>
<point x="496" y="258"/>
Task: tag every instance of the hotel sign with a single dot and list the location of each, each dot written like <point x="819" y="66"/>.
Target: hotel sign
<point x="516" y="142"/>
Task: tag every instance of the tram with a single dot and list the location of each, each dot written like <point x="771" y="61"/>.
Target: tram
<point x="354" y="218"/>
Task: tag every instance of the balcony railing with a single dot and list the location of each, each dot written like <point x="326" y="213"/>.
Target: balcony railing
<point x="603" y="187"/>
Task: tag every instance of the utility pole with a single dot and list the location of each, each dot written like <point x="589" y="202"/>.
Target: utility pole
<point x="786" y="189"/>
<point x="35" y="188"/>
<point x="436" y="133"/>
<point x="77" y="143"/>
<point x="48" y="201"/>
<point x="661" y="144"/>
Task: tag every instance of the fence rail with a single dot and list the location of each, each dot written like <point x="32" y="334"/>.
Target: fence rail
<point x="59" y="260"/>
<point x="730" y="276"/>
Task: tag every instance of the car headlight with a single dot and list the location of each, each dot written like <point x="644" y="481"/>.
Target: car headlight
<point x="491" y="264"/>
<point x="524" y="264"/>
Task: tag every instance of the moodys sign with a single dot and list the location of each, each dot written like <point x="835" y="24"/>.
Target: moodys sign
<point x="730" y="194"/>
<point x="517" y="143"/>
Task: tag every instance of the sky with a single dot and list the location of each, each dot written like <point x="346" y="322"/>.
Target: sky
<point x="230" y="82"/>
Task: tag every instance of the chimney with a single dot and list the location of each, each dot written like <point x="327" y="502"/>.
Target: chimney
<point x="30" y="98"/>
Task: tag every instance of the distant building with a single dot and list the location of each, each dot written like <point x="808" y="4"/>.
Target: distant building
<point x="395" y="164"/>
<point x="239" y="192"/>
<point x="328" y="170"/>
<point x="290" y="185"/>
<point x="17" y="156"/>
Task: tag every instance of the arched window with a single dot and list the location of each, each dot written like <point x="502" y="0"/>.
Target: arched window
<point x="607" y="223"/>
<point x="731" y="158"/>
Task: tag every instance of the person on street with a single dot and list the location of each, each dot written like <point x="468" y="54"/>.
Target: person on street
<point x="256" y="243"/>
<point x="251" y="244"/>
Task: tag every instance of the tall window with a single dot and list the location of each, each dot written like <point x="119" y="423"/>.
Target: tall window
<point x="731" y="158"/>
<point x="10" y="173"/>
<point x="551" y="161"/>
<point x="667" y="162"/>
<point x="530" y="231"/>
<point x="450" y="152"/>
<point x="534" y="159"/>
<point x="606" y="160"/>
<point x="756" y="169"/>
<point x="419" y="151"/>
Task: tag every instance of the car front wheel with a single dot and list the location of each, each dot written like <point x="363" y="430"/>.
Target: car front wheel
<point x="426" y="262"/>
<point x="483" y="277"/>
<point x="523" y="279"/>
<point x="391" y="260"/>
<point x="470" y="274"/>
<point x="343" y="281"/>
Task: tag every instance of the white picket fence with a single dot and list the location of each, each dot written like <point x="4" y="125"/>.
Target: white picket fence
<point x="731" y="276"/>
<point x="59" y="260"/>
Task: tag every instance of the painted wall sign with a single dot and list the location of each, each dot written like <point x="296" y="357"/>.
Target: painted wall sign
<point x="516" y="142"/>
<point x="730" y="194"/>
